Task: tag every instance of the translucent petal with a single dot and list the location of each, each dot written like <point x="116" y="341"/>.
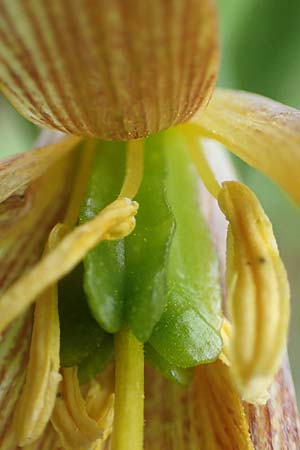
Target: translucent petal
<point x="262" y="132"/>
<point x="18" y="170"/>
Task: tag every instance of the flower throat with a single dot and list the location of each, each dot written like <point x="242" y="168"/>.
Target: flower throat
<point x="122" y="290"/>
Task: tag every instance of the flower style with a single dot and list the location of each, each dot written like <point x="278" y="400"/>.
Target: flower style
<point x="125" y="71"/>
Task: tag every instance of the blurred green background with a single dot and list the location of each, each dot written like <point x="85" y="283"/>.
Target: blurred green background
<point x="260" y="53"/>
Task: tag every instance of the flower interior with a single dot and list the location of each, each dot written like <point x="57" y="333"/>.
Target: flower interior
<point x="138" y="339"/>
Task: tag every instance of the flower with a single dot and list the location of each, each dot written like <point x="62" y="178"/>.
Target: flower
<point x="90" y="77"/>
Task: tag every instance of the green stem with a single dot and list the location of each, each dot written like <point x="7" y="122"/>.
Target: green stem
<point x="129" y="407"/>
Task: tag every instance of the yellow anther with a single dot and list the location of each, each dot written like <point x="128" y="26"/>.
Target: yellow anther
<point x="74" y="426"/>
<point x="34" y="408"/>
<point x="113" y="222"/>
<point x="77" y="430"/>
<point x="258" y="292"/>
<point x="124" y="228"/>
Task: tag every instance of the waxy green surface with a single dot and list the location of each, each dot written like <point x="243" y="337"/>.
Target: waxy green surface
<point x="104" y="266"/>
<point x="148" y="247"/>
<point x="81" y="337"/>
<point x="163" y="280"/>
<point x="126" y="279"/>
<point x="97" y="361"/>
<point x="173" y="373"/>
<point x="188" y="331"/>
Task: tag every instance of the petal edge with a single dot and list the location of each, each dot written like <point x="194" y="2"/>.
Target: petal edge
<point x="262" y="132"/>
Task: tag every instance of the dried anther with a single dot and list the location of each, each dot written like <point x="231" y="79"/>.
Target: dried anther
<point x="76" y="429"/>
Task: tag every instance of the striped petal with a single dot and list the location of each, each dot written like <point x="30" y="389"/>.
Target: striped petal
<point x="276" y="425"/>
<point x="115" y="70"/>
<point x="263" y="133"/>
<point x="18" y="170"/>
<point x="26" y="218"/>
<point x="208" y="415"/>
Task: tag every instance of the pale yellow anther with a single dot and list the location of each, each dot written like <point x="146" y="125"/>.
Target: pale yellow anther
<point x="226" y="334"/>
<point x="76" y="429"/>
<point x="100" y="407"/>
<point x="258" y="293"/>
<point x="34" y="408"/>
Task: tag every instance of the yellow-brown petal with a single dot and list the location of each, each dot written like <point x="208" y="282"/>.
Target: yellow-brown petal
<point x="116" y="69"/>
<point x="25" y="220"/>
<point x="262" y="132"/>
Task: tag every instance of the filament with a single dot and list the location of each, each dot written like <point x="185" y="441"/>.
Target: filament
<point x="192" y="135"/>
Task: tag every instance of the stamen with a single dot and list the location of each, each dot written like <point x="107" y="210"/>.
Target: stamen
<point x="258" y="293"/>
<point x="86" y="158"/>
<point x="70" y="418"/>
<point x="192" y="135"/>
<point x="113" y="222"/>
<point x="134" y="168"/>
<point x="36" y="403"/>
<point x="128" y="429"/>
